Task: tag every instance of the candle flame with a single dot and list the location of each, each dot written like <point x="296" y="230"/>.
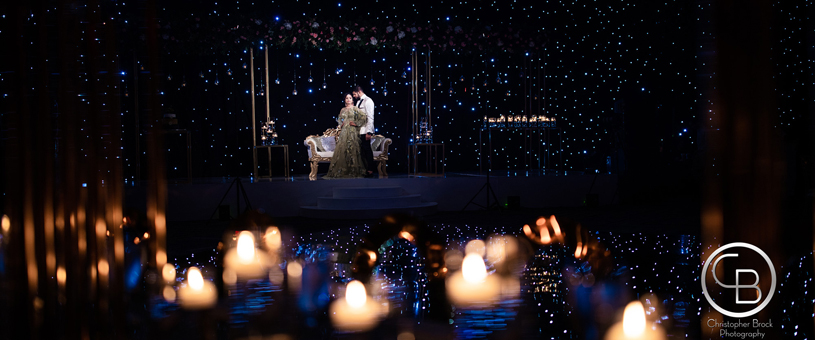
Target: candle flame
<point x="61" y="275"/>
<point x="169" y="293"/>
<point x="6" y="223"/>
<point x="195" y="279"/>
<point x="168" y="272"/>
<point x="246" y="247"/>
<point x="103" y="267"/>
<point x="406" y="235"/>
<point x="555" y="226"/>
<point x="473" y="268"/>
<point x="273" y="238"/>
<point x="294" y="269"/>
<point x="634" y="319"/>
<point x="355" y="294"/>
<point x="527" y="230"/>
<point x="161" y="257"/>
<point x="545" y="238"/>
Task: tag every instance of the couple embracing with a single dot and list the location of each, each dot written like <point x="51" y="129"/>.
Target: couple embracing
<point x="353" y="156"/>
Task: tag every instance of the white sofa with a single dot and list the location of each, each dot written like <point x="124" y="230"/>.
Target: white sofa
<point x="321" y="149"/>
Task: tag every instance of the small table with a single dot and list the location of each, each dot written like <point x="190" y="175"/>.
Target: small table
<point x="431" y="161"/>
<point x="269" y="158"/>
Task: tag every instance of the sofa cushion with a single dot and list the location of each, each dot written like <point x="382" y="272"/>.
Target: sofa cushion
<point x="318" y="142"/>
<point x="325" y="146"/>
<point x="328" y="143"/>
<point x="376" y="142"/>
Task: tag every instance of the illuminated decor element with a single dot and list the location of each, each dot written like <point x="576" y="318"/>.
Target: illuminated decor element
<point x="425" y="132"/>
<point x="473" y="285"/>
<point x="340" y="35"/>
<point x="198" y="293"/>
<point x="518" y="121"/>
<point x="268" y="135"/>
<point x="634" y="327"/>
<point x="357" y="311"/>
<point x="245" y="261"/>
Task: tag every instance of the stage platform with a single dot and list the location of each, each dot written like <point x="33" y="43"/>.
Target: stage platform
<point x="297" y="195"/>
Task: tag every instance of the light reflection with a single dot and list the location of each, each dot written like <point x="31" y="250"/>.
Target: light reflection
<point x="168" y="272"/>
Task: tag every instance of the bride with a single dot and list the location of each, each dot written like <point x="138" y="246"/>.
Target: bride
<point x="347" y="160"/>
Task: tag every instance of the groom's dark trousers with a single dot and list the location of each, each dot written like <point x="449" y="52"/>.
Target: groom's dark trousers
<point x="367" y="153"/>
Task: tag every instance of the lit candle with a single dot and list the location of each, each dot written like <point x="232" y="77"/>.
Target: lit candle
<point x="472" y="285"/>
<point x="356" y="312"/>
<point x="198" y="293"/>
<point x="633" y="326"/>
<point x="273" y="240"/>
<point x="244" y="260"/>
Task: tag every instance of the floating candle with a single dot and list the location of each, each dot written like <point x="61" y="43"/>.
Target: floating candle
<point x="244" y="260"/>
<point x="356" y="312"/>
<point x="633" y="326"/>
<point x="198" y="293"/>
<point x="472" y="285"/>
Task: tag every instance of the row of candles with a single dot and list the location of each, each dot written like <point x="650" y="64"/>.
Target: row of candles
<point x="519" y="121"/>
<point x="468" y="285"/>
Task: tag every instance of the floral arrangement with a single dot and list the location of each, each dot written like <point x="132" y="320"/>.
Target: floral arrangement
<point x="342" y="36"/>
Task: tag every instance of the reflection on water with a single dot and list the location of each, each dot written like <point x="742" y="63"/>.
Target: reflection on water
<point x="542" y="292"/>
<point x="559" y="298"/>
<point x="402" y="279"/>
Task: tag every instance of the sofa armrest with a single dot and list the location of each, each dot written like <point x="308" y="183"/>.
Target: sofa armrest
<point x="309" y="142"/>
<point x="385" y="144"/>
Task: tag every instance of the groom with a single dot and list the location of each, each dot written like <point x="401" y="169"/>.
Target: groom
<point x="366" y="104"/>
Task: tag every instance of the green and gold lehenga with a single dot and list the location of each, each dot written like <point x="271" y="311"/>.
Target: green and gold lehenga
<point x="347" y="159"/>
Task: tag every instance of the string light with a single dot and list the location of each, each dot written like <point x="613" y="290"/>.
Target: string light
<point x="581" y="75"/>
